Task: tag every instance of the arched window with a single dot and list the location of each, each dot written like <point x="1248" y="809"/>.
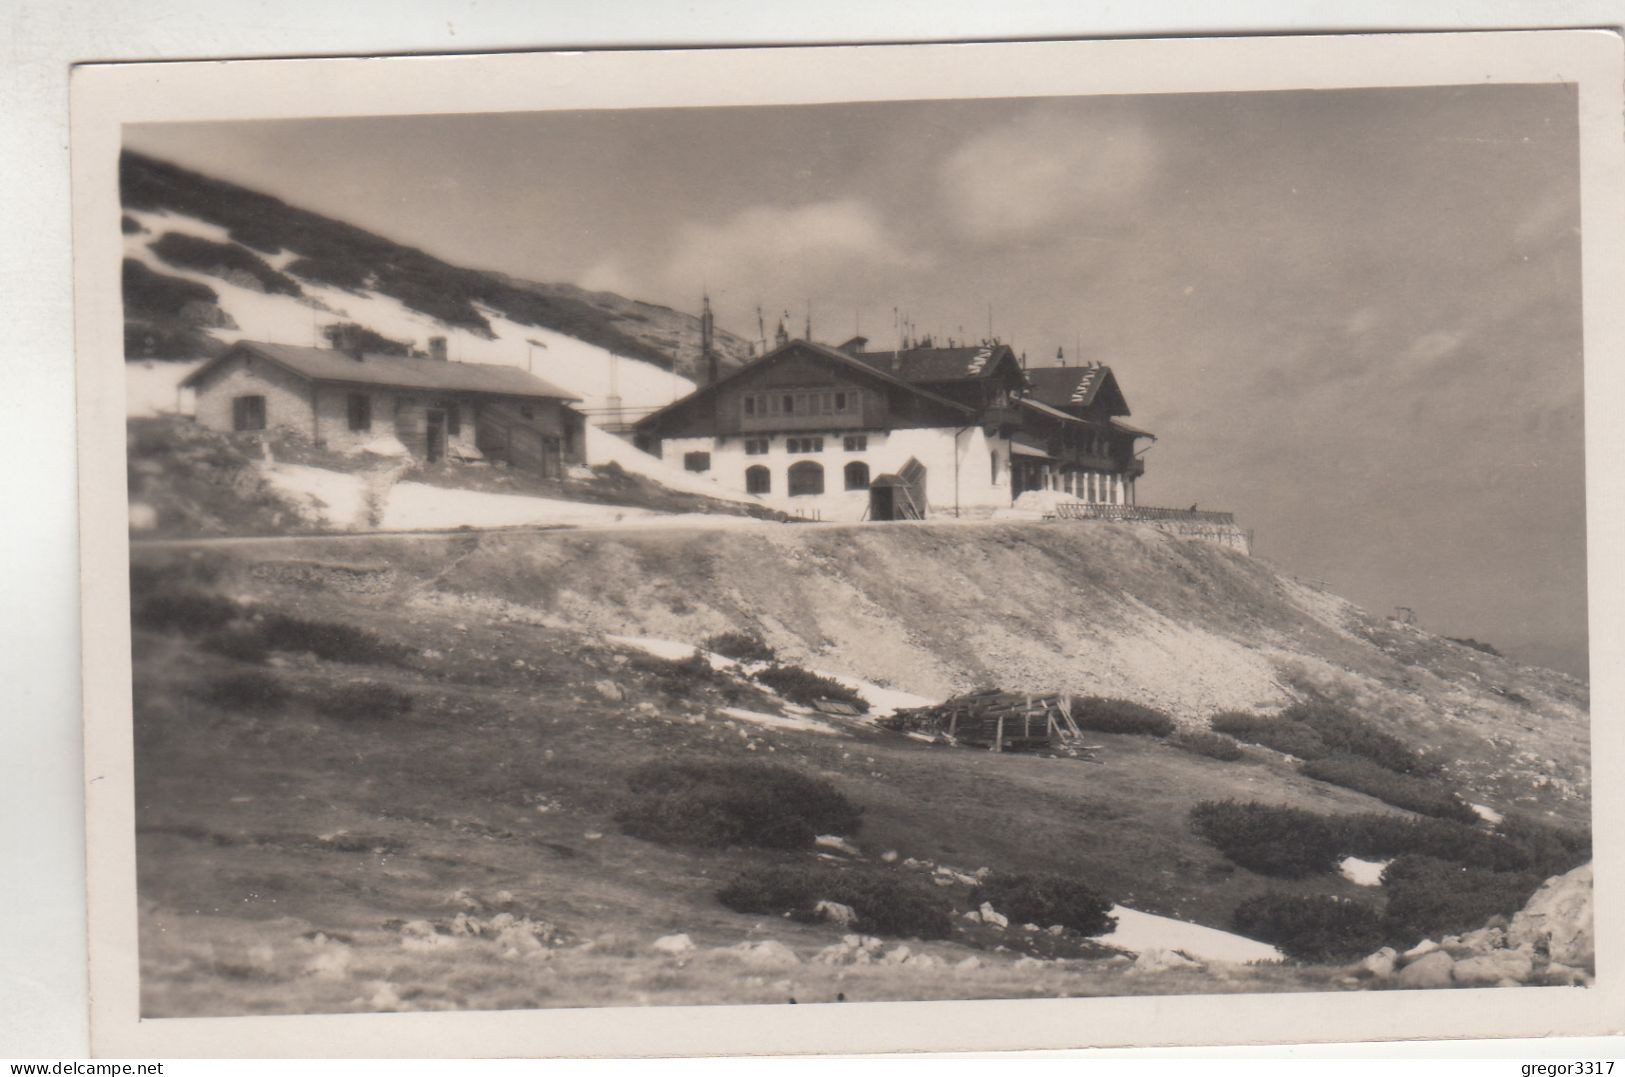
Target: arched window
<point x="806" y="478"/>
<point x="857" y="475"/>
<point x="758" y="480"/>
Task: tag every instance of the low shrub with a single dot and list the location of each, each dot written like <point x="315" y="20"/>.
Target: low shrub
<point x="719" y="804"/>
<point x="1346" y="732"/>
<point x="1475" y="644"/>
<point x="740" y="646"/>
<point x="327" y="639"/>
<point x="886" y="902"/>
<point x="1212" y="745"/>
<point x="1428" y="897"/>
<point x="195" y="252"/>
<point x="1381" y="836"/>
<point x="805" y="687"/>
<point x="365" y="700"/>
<point x="1543" y="847"/>
<point x="151" y="294"/>
<point x="681" y="676"/>
<point x="1313" y="927"/>
<point x="244" y="645"/>
<point x="246" y="691"/>
<point x="1283" y="736"/>
<point x="1401" y="790"/>
<point x="192" y="612"/>
<point x="1120" y="716"/>
<point x="1267" y="838"/>
<point x="1046" y="899"/>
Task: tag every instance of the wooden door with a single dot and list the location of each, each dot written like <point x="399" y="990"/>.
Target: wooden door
<point x="434" y="433"/>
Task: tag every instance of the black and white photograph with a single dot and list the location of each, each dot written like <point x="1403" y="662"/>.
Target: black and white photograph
<point x="1065" y="542"/>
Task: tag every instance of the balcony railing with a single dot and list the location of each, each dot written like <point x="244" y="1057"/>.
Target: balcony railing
<point x="1085" y="510"/>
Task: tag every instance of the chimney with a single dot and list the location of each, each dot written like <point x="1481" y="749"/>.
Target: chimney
<point x="347" y="340"/>
<point x="708" y="351"/>
<point x="437" y="348"/>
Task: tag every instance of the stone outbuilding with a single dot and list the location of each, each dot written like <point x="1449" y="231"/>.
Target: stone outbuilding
<point x="426" y="407"/>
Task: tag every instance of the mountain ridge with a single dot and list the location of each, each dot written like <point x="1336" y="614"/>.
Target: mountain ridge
<point x="163" y="315"/>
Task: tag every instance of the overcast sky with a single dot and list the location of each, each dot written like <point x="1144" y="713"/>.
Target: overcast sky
<point x="1352" y="317"/>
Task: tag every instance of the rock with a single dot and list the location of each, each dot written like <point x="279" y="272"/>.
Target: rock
<point x="1380" y="963"/>
<point x="1056" y="929"/>
<point x="1560" y="975"/>
<point x="1484" y="940"/>
<point x="143" y="517"/>
<point x="974" y="916"/>
<point x="897" y="955"/>
<point x="839" y="844"/>
<point x="1431" y="970"/>
<point x="609" y="690"/>
<point x="990" y="916"/>
<point x="1419" y="951"/>
<point x="1456" y="947"/>
<point x="1031" y="929"/>
<point x="673" y="944"/>
<point x="1029" y="962"/>
<point x="384" y="998"/>
<point x="1158" y="960"/>
<point x="968" y="964"/>
<point x="1486" y="969"/>
<point x="835" y="912"/>
<point x="1559" y="917"/>
<point x="889" y="856"/>
<point x="768" y="953"/>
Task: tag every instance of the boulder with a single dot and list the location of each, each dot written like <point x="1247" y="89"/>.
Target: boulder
<point x="1158" y="960"/>
<point x="991" y="916"/>
<point x="1431" y="970"/>
<point x="1559" y="917"/>
<point x="1486" y="970"/>
<point x="768" y="953"/>
<point x="897" y="955"/>
<point x="1381" y="963"/>
<point x="673" y="944"/>
<point x="835" y="912"/>
<point x="1419" y="951"/>
<point x="610" y="691"/>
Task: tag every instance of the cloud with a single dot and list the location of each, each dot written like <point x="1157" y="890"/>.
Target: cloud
<point x="1047" y="169"/>
<point x="802" y="248"/>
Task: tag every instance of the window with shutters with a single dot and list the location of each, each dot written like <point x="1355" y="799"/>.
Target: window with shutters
<point x="248" y="413"/>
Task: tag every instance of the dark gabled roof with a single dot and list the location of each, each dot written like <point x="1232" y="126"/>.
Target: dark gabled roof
<point x="932" y="365"/>
<point x="395" y="371"/>
<point x="1073" y="386"/>
<point x="855" y="364"/>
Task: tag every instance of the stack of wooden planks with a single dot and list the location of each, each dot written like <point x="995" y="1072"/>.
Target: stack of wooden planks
<point x="997" y="720"/>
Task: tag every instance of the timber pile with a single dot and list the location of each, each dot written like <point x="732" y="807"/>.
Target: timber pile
<point x="998" y="721"/>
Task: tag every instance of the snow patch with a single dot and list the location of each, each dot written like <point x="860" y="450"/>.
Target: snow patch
<point x="1362" y="872"/>
<point x="333" y="498"/>
<point x="152" y="388"/>
<point x="416" y="506"/>
<point x="660" y="648"/>
<point x="775" y="721"/>
<point x="1488" y="814"/>
<point x="1138" y="932"/>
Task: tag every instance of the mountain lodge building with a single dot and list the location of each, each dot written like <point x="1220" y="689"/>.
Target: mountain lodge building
<point x="848" y="433"/>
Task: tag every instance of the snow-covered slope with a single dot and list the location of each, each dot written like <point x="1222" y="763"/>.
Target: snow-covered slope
<point x="591" y="372"/>
<point x="601" y="378"/>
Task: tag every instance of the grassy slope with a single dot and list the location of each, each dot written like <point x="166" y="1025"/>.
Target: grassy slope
<point x="259" y="831"/>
